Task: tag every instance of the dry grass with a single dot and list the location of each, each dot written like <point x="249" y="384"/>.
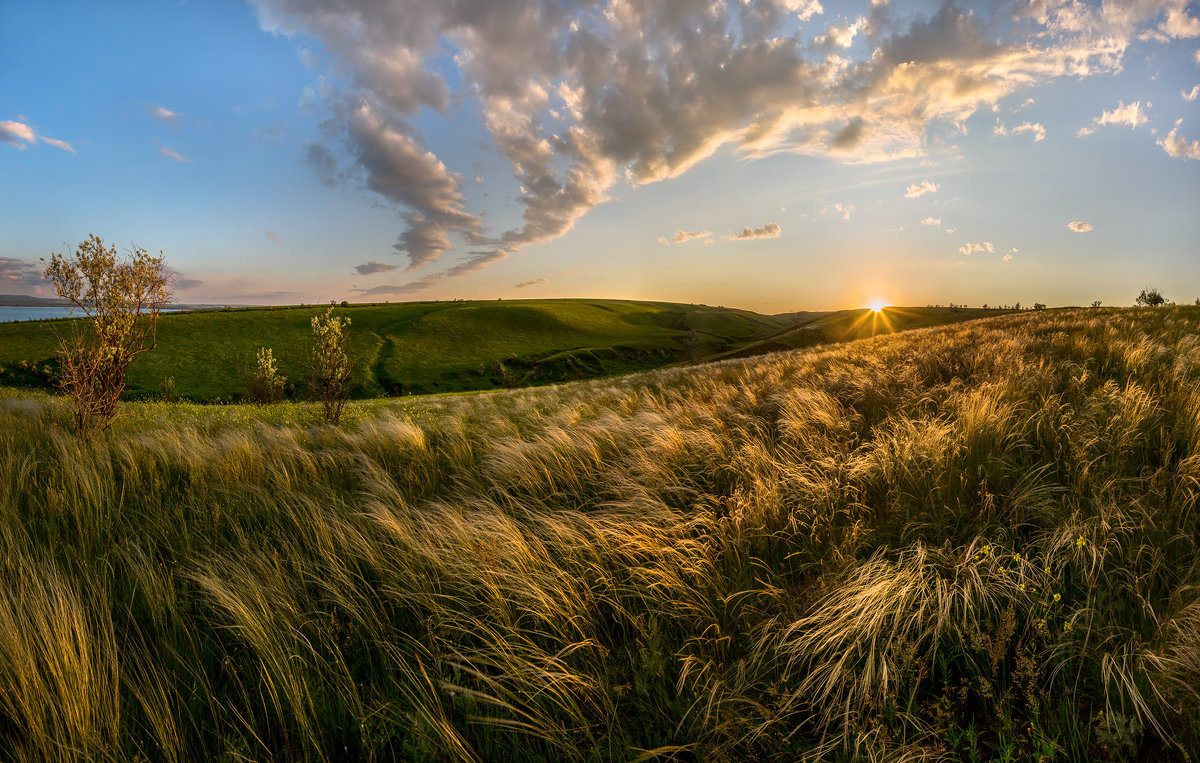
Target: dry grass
<point x="974" y="542"/>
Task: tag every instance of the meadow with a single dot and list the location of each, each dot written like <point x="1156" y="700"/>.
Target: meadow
<point x="970" y="542"/>
<point x="433" y="347"/>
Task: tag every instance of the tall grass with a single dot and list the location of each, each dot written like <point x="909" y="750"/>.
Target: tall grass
<point x="974" y="542"/>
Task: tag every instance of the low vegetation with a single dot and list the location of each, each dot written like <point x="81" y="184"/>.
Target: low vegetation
<point x="975" y="542"/>
<point x="429" y="347"/>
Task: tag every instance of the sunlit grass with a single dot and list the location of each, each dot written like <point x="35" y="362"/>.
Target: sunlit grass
<point x="975" y="542"/>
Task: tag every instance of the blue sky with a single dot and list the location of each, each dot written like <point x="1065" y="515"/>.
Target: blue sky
<point x="770" y="154"/>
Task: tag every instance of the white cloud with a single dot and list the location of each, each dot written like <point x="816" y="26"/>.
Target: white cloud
<point x="13" y="133"/>
<point x="1131" y="114"/>
<point x="171" y="154"/>
<point x="986" y="246"/>
<point x="164" y="115"/>
<point x="1191" y="95"/>
<point x="804" y="9"/>
<point x="1038" y="131"/>
<point x="919" y="189"/>
<point x="1083" y="132"/>
<point x="1007" y="257"/>
<point x="951" y="230"/>
<point x="770" y="230"/>
<point x="683" y="236"/>
<point x="534" y="282"/>
<point x="1080" y="226"/>
<point x="932" y="221"/>
<point x="20" y="134"/>
<point x="1178" y="146"/>
<point x="1178" y="24"/>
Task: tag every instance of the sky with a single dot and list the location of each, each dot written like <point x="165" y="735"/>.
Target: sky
<point x="772" y="155"/>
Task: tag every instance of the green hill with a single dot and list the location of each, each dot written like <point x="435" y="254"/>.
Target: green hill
<point x="416" y="347"/>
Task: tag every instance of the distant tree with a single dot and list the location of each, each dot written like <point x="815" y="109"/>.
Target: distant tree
<point x="1017" y="306"/>
<point x="1150" y="297"/>
<point x="1039" y="306"/>
<point x="263" y="383"/>
<point x="329" y="363"/>
<point x="1197" y="302"/>
<point x="120" y="300"/>
<point x="1096" y="304"/>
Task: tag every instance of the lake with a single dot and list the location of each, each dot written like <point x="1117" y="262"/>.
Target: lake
<point x="10" y="313"/>
<point x="23" y="313"/>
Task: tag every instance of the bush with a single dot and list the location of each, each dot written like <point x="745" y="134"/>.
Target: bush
<point x="121" y="300"/>
<point x="329" y="364"/>
<point x="1150" y="297"/>
<point x="263" y="383"/>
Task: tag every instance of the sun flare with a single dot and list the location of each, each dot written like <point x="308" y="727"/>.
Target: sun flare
<point x="877" y="306"/>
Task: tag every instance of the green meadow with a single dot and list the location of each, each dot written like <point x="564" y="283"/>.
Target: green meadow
<point x="968" y="542"/>
<point x="430" y="347"/>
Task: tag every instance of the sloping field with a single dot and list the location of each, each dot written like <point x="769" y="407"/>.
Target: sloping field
<point x="418" y="347"/>
<point x="975" y="542"/>
<point x="424" y="347"/>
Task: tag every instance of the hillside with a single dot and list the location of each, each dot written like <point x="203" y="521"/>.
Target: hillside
<point x="974" y="542"/>
<point x="423" y="347"/>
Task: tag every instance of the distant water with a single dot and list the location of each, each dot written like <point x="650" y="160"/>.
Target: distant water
<point x="19" y="313"/>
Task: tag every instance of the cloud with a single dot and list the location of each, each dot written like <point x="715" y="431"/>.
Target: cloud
<point x="1131" y="114"/>
<point x="1080" y="226"/>
<point x="182" y="282"/>
<point x="13" y="133"/>
<point x="534" y="282"/>
<point x="1191" y="95"/>
<point x="20" y="134"/>
<point x="1178" y="24"/>
<point x="373" y="267"/>
<point x="683" y="236"/>
<point x="932" y="221"/>
<point x="1007" y="257"/>
<point x="1178" y="146"/>
<point x="920" y="189"/>
<point x="951" y="230"/>
<point x="164" y="115"/>
<point x="411" y="287"/>
<point x="271" y="235"/>
<point x="841" y="209"/>
<point x="577" y="98"/>
<point x="968" y="249"/>
<point x="770" y="230"/>
<point x="173" y="155"/>
<point x="65" y="146"/>
<point x="20" y="275"/>
<point x="1038" y="131"/>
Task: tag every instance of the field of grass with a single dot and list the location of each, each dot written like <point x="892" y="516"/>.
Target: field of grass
<point x="417" y="347"/>
<point x="426" y="347"/>
<point x="974" y="542"/>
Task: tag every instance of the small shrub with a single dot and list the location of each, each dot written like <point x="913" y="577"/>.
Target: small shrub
<point x="329" y="364"/>
<point x="264" y="383"/>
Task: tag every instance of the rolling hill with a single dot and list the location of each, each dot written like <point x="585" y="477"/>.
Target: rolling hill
<point x="427" y="347"/>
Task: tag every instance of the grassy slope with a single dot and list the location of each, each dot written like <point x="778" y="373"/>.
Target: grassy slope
<point x="424" y="347"/>
<point x="975" y="542"/>
<point x="420" y="346"/>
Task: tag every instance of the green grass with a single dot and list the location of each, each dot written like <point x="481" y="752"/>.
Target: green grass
<point x="973" y="542"/>
<point x="427" y="347"/>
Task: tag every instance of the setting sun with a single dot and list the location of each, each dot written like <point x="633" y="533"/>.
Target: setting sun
<point x="877" y="306"/>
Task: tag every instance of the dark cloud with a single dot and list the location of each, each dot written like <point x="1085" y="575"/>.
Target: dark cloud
<point x="373" y="267"/>
<point x="20" y="276"/>
<point x="534" y="282"/>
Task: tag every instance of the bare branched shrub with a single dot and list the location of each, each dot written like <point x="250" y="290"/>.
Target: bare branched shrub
<point x="121" y="300"/>
<point x="329" y="363"/>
